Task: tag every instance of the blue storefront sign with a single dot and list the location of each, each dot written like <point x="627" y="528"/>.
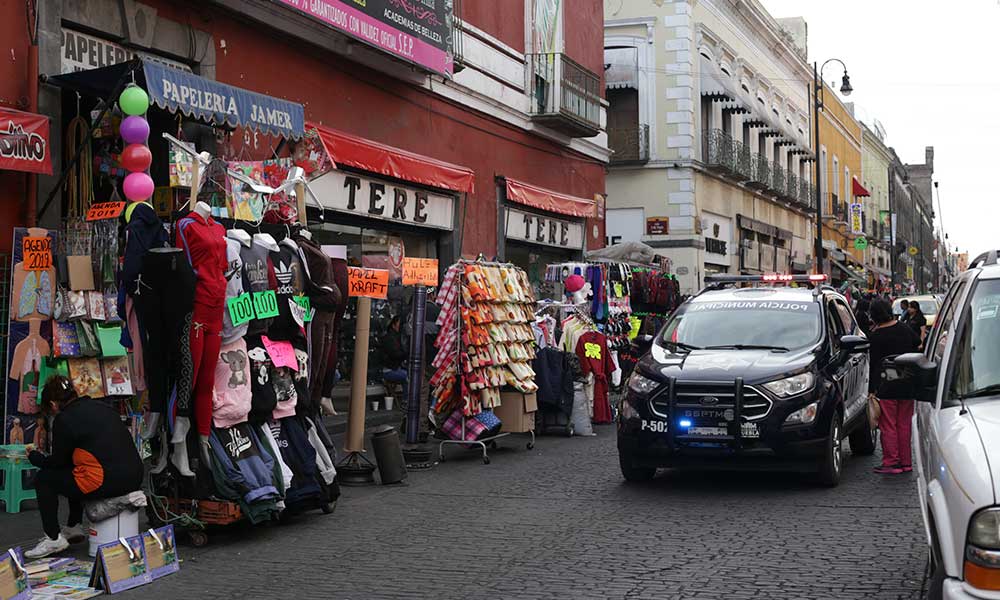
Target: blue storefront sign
<point x="195" y="96"/>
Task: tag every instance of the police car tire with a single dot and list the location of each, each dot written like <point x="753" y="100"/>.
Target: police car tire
<point x="831" y="466"/>
<point x="864" y="439"/>
<point x="633" y="473"/>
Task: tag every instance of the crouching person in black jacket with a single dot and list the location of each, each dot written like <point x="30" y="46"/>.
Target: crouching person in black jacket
<point x="93" y="457"/>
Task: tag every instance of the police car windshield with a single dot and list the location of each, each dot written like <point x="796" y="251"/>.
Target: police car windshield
<point x="734" y="324"/>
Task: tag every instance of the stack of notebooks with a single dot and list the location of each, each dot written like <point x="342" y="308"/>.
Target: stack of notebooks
<point x="60" y="578"/>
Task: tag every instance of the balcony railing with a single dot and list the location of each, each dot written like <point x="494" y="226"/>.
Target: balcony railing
<point x="631" y="144"/>
<point x="733" y="158"/>
<point x="778" y="179"/>
<point x="564" y="95"/>
<point x="761" y="172"/>
<point x="807" y="194"/>
<point x="719" y="151"/>
<point x="791" y="191"/>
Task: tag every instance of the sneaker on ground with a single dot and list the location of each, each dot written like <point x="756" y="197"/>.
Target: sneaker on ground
<point x="48" y="546"/>
<point x="74" y="534"/>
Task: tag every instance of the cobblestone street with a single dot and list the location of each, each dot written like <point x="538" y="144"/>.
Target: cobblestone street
<point x="559" y="522"/>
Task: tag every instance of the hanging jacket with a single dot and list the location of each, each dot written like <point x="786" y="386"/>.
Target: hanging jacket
<point x="555" y="380"/>
<point x="300" y="457"/>
<point x="231" y="396"/>
<point x="204" y="243"/>
<point x="291" y="282"/>
<point x="263" y="397"/>
<point x="321" y="286"/>
<point x="258" y="276"/>
<point x="248" y="470"/>
<point x="234" y="288"/>
<point x="143" y="231"/>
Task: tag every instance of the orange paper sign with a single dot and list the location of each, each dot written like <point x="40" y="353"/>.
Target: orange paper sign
<point x="367" y="283"/>
<point x="37" y="253"/>
<point x="420" y="271"/>
<point x="105" y="210"/>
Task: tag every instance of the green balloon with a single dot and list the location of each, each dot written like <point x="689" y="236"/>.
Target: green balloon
<point x="134" y="101"/>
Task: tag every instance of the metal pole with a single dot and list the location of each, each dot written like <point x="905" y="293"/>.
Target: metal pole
<point x="819" y="173"/>
<point x="892" y="234"/>
<point x="415" y="371"/>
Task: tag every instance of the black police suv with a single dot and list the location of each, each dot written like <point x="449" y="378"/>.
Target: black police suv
<point x="767" y="377"/>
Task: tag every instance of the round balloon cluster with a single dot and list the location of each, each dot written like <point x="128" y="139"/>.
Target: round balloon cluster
<point x="136" y="157"/>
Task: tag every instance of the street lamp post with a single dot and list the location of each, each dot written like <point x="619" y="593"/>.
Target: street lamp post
<point x="845" y="89"/>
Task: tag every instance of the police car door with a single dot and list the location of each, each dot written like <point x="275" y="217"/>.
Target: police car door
<point x="855" y="371"/>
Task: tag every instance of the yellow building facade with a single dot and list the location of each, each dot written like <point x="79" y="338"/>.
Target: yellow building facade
<point x="839" y="160"/>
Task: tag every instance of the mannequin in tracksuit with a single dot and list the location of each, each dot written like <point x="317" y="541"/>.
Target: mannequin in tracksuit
<point x="204" y="242"/>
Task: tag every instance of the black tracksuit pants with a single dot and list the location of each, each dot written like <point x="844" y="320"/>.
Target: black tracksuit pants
<point x="165" y="302"/>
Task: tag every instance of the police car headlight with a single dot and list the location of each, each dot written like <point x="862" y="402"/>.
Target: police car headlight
<point x="805" y="415"/>
<point x="791" y="386"/>
<point x="641" y="385"/>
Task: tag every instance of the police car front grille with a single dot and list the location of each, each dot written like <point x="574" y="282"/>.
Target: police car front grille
<point x="755" y="405"/>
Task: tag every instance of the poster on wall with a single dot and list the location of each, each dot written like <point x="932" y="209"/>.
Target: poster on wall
<point x="857" y="219"/>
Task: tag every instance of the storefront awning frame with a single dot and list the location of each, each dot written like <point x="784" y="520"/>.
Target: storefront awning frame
<point x="548" y="200"/>
<point x="368" y="155"/>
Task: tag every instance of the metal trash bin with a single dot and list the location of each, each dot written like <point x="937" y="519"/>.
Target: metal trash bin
<point x="388" y="454"/>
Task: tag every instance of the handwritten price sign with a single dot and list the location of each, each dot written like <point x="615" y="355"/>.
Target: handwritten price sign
<point x="105" y="210"/>
<point x="37" y="253"/>
<point x="265" y="304"/>
<point x="367" y="283"/>
<point x="241" y="309"/>
<point x="420" y="271"/>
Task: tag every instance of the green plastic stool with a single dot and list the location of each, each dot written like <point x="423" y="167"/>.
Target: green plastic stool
<point x="14" y="464"/>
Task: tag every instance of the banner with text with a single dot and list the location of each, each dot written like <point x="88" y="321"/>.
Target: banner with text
<point x="379" y="199"/>
<point x="417" y="31"/>
<point x="857" y="219"/>
<point x="24" y="142"/>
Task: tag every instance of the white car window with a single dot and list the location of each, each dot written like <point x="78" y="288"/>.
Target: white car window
<point x="976" y="355"/>
<point x="946" y="324"/>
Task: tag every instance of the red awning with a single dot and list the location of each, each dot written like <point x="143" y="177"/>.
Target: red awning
<point x="360" y="153"/>
<point x="543" y="199"/>
<point x="857" y="189"/>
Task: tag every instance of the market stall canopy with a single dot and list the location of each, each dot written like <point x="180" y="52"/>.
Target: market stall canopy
<point x="857" y="189"/>
<point x="346" y="149"/>
<point x="197" y="97"/>
<point x="548" y="200"/>
<point x="24" y="142"/>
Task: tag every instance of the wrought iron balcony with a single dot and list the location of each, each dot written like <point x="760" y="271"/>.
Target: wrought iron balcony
<point x="807" y="194"/>
<point x="761" y="172"/>
<point x="564" y="95"/>
<point x="791" y="191"/>
<point x="778" y="179"/>
<point x="718" y="151"/>
<point x="631" y="145"/>
<point x="744" y="161"/>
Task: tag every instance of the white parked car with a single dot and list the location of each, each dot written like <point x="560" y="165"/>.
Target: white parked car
<point x="956" y="441"/>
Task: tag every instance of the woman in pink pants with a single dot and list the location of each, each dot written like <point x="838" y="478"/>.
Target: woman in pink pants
<point x="890" y="338"/>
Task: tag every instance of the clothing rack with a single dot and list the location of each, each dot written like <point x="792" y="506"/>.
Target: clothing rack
<point x="489" y="441"/>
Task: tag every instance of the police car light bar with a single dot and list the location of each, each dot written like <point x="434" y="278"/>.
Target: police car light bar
<point x="767" y="278"/>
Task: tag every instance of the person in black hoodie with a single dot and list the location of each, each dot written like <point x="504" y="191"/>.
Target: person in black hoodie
<point x="93" y="457"/>
<point x="393" y="353"/>
<point x="890" y="338"/>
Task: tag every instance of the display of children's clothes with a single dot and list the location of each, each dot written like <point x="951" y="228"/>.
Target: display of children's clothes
<point x="204" y="243"/>
<point x="258" y="273"/>
<point x="289" y="272"/>
<point x="592" y="350"/>
<point x="243" y="471"/>
<point x="263" y="396"/>
<point x="325" y="297"/>
<point x="232" y="393"/>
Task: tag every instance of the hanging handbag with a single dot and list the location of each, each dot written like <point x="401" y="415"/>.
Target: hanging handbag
<point x="874" y="411"/>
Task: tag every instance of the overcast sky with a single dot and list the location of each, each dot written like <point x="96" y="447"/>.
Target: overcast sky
<point x="927" y="72"/>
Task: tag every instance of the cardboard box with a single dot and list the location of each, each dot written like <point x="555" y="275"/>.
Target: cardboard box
<point x="517" y="411"/>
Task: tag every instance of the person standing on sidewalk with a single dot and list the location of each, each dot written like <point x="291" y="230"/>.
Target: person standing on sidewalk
<point x="890" y="338"/>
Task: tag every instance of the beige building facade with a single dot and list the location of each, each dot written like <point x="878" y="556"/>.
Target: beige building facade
<point x="875" y="162"/>
<point x="709" y="120"/>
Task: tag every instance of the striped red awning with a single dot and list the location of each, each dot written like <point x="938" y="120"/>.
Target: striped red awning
<point x="357" y="152"/>
<point x="548" y="200"/>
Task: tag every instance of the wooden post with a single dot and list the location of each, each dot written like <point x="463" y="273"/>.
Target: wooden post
<point x="300" y="202"/>
<point x="355" y="441"/>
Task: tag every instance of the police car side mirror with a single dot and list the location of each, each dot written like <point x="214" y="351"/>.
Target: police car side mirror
<point x="642" y="343"/>
<point x="917" y="370"/>
<point x="854" y="344"/>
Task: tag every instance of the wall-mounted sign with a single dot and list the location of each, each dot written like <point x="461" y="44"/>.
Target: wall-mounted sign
<point x="718" y="235"/>
<point x="105" y="210"/>
<point x="860" y="243"/>
<point x="82" y="52"/>
<point x="913" y="251"/>
<point x="857" y="219"/>
<point x="533" y="228"/>
<point x="24" y="142"/>
<point x="379" y="199"/>
<point x="657" y="225"/>
<point x="418" y="31"/>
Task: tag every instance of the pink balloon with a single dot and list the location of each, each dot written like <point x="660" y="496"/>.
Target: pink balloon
<point x="134" y="130"/>
<point x="138" y="186"/>
<point x="136" y="157"/>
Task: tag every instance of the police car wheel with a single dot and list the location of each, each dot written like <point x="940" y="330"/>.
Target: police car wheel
<point x="633" y="473"/>
<point x="864" y="439"/>
<point x="832" y="462"/>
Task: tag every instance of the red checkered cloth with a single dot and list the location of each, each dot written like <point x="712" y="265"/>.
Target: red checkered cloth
<point x="452" y="427"/>
<point x="450" y="287"/>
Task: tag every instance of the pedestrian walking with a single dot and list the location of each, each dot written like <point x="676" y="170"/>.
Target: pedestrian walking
<point x="891" y="338"/>
<point x="864" y="319"/>
<point x="917" y="321"/>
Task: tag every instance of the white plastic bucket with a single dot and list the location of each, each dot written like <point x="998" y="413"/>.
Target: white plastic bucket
<point x="125" y="524"/>
<point x="388" y="402"/>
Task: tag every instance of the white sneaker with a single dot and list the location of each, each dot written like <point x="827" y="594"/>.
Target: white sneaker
<point x="74" y="534"/>
<point x="48" y="546"/>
